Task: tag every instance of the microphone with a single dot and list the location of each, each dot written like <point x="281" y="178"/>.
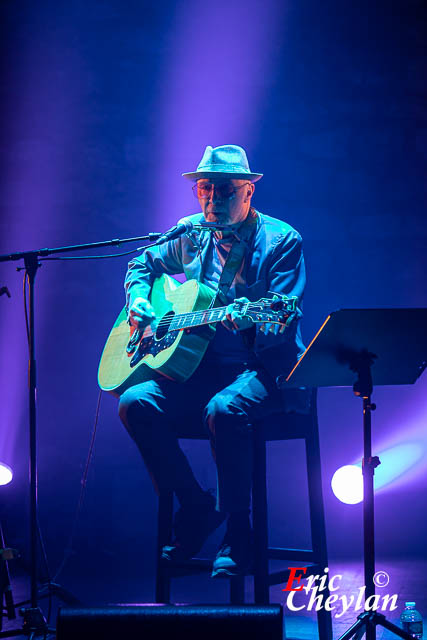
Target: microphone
<point x="178" y="230"/>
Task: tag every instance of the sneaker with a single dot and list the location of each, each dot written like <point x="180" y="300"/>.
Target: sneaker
<point x="234" y="557"/>
<point x="192" y="527"/>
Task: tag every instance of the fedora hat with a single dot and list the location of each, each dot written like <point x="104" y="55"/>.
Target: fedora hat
<point x="228" y="161"/>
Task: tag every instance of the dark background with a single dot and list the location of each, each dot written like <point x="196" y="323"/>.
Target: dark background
<point x="103" y="106"/>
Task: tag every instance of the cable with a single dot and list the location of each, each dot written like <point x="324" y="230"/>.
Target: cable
<point x="39" y="533"/>
<point x="112" y="255"/>
<point x="85" y="474"/>
<point x="68" y="550"/>
<point x="125" y="253"/>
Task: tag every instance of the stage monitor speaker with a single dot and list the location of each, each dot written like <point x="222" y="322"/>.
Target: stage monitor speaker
<point x="190" y="622"/>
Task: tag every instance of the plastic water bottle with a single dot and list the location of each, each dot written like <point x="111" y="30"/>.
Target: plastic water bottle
<point x="412" y="621"/>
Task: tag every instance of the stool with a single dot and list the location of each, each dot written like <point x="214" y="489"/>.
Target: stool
<point x="281" y="427"/>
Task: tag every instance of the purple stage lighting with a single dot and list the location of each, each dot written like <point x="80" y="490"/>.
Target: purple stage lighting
<point x="6" y="474"/>
<point x="396" y="462"/>
<point x="215" y="96"/>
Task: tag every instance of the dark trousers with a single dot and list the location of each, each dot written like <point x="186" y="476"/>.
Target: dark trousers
<point x="222" y="400"/>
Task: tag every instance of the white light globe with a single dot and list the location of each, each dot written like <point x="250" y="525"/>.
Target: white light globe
<point x="6" y="474"/>
<point x="347" y="484"/>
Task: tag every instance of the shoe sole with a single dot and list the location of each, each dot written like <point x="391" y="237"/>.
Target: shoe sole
<point x="169" y="558"/>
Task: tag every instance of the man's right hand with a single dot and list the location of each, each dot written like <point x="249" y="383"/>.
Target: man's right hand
<point x="141" y="313"/>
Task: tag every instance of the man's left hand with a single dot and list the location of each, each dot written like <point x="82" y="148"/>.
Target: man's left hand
<point x="235" y="319"/>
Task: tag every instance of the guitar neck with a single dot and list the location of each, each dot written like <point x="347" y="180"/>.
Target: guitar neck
<point x="197" y="318"/>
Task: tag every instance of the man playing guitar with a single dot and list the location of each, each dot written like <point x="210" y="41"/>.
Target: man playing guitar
<point x="235" y="384"/>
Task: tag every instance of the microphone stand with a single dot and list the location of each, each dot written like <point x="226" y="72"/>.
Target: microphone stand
<point x="33" y="618"/>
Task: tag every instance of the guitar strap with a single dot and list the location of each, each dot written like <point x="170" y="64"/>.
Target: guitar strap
<point x="235" y="257"/>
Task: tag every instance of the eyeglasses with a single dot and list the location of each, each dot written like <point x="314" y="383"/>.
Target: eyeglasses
<point x="224" y="190"/>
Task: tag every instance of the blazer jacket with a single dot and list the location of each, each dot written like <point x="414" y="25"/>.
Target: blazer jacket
<point x="273" y="262"/>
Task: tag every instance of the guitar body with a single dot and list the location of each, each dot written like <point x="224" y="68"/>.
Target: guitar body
<point x="174" y="354"/>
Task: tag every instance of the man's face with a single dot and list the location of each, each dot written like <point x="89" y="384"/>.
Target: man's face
<point x="224" y="201"/>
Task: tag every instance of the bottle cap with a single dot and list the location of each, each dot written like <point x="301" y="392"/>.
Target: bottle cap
<point x="409" y="604"/>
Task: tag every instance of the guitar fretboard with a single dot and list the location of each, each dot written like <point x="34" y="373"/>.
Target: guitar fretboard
<point x="197" y="318"/>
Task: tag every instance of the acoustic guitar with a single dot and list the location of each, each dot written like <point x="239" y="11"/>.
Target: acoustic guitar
<point x="176" y="344"/>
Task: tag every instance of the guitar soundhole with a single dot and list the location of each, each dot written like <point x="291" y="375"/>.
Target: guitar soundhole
<point x="164" y="324"/>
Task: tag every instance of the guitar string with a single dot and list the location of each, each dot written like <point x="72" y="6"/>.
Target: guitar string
<point x="201" y="313"/>
<point x="186" y="316"/>
<point x="194" y="314"/>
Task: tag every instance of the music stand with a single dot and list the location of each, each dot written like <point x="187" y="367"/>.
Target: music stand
<point x="360" y="348"/>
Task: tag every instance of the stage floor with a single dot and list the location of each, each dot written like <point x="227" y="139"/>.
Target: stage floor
<point x="407" y="579"/>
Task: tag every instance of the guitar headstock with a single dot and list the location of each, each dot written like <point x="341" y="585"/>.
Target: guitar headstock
<point x="279" y="309"/>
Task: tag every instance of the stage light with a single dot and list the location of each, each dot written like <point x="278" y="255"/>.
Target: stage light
<point x="397" y="463"/>
<point x="347" y="484"/>
<point x="6" y="474"/>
